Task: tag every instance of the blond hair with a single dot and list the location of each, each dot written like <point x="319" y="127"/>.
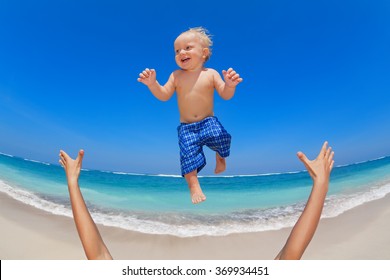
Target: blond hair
<point x="204" y="36"/>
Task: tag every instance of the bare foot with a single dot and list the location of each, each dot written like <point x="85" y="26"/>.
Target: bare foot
<point x="220" y="164"/>
<point x="197" y="196"/>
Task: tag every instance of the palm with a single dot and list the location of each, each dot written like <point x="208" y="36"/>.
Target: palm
<point x="319" y="168"/>
<point x="147" y="77"/>
<point x="231" y="77"/>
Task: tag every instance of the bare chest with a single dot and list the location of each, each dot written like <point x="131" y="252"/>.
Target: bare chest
<point x="194" y="84"/>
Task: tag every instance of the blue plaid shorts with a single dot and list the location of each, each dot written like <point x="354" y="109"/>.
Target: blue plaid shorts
<point x="192" y="138"/>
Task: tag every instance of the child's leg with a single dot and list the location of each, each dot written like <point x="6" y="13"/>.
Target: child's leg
<point x="220" y="164"/>
<point x="197" y="195"/>
<point x="217" y="139"/>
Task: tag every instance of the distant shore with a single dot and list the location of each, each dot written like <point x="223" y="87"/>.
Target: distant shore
<point x="361" y="233"/>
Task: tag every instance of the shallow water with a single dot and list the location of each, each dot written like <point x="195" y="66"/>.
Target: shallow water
<point x="161" y="204"/>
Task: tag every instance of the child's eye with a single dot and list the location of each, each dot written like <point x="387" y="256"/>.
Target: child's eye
<point x="185" y="49"/>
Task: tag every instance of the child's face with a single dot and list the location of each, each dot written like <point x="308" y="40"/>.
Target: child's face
<point x="189" y="52"/>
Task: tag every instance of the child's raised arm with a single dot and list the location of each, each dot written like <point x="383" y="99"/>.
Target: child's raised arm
<point x="90" y="237"/>
<point x="304" y="229"/>
<point x="227" y="88"/>
<point x="163" y="93"/>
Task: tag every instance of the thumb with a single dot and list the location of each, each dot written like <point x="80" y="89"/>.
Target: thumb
<point x="306" y="162"/>
<point x="302" y="157"/>
<point x="80" y="156"/>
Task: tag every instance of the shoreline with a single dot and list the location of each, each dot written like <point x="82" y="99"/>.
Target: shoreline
<point x="30" y="233"/>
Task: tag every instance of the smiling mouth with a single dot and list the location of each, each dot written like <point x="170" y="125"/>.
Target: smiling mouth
<point x="185" y="59"/>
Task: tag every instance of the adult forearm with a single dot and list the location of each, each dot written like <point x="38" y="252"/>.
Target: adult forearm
<point x="310" y="217"/>
<point x="305" y="227"/>
<point x="90" y="238"/>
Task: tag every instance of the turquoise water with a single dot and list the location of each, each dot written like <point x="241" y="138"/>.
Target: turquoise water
<point x="161" y="204"/>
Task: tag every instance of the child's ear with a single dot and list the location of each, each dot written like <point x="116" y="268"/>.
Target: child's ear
<point x="206" y="53"/>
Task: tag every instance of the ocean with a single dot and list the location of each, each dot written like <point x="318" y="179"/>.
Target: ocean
<point x="160" y="204"/>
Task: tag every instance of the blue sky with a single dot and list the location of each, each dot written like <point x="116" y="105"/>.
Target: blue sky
<point x="313" y="71"/>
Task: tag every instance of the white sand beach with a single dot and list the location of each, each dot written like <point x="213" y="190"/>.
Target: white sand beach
<point x="29" y="233"/>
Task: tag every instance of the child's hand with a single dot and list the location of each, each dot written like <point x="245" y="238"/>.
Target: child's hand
<point x="147" y="77"/>
<point x="231" y="77"/>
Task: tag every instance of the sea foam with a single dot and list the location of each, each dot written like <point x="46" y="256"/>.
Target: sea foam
<point x="236" y="204"/>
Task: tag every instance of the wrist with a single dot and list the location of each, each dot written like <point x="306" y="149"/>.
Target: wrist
<point x="153" y="85"/>
<point x="230" y="86"/>
<point x="321" y="185"/>
<point x="72" y="181"/>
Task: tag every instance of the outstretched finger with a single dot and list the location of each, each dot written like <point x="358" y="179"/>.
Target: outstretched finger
<point x="323" y="149"/>
<point x="331" y="156"/>
<point x="64" y="155"/>
<point x="328" y="152"/>
<point x="331" y="161"/>
<point x="331" y="165"/>
<point x="80" y="156"/>
<point x="63" y="158"/>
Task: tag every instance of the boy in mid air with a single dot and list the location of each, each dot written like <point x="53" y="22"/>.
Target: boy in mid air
<point x="194" y="85"/>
